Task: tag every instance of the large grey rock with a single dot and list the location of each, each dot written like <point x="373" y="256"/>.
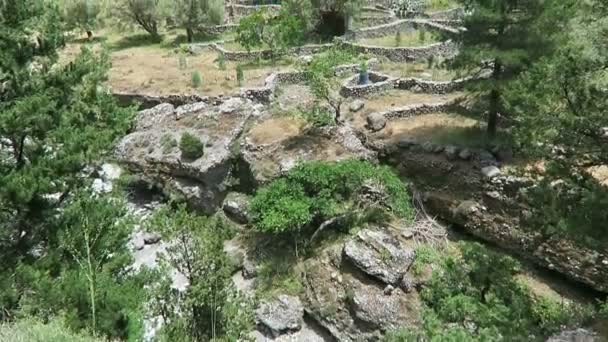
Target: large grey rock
<point x="380" y="255"/>
<point x="379" y="310"/>
<point x="280" y="316"/>
<point x="376" y="121"/>
<point x="235" y="252"/>
<point x="154" y="117"/>
<point x="578" y="335"/>
<point x="236" y="207"/>
<point x="490" y="171"/>
<point x="151" y="238"/>
<point x="231" y="105"/>
<point x="356" y="105"/>
<point x="200" y="181"/>
<point x="451" y="152"/>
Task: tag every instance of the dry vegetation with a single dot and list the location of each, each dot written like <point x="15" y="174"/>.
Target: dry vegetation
<point x="408" y="38"/>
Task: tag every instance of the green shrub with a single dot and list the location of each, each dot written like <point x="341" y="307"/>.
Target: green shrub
<point x="422" y="35"/>
<point x="196" y="79"/>
<point x="318" y="117"/>
<point x="398" y="39"/>
<point x="191" y="146"/>
<point x="32" y="330"/>
<point x="479" y="288"/>
<point x="183" y="61"/>
<point x="321" y="190"/>
<point x="281" y="206"/>
<point x="240" y="76"/>
<point x="221" y="61"/>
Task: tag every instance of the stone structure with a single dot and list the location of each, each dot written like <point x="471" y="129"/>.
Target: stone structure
<point x="447" y="50"/>
<point x="398" y="26"/>
<point x="378" y="83"/>
<point x="266" y="54"/>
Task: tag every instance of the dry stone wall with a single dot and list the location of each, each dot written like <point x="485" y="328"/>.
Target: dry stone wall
<point x="266" y="54"/>
<point x="445" y="50"/>
<point x="379" y="83"/>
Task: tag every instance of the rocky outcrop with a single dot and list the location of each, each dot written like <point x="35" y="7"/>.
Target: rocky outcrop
<point x="236" y="207"/>
<point x="269" y="160"/>
<point x="152" y="149"/>
<point x="380" y="255"/>
<point x="280" y="316"/>
<point x="578" y="335"/>
<point x="348" y="305"/>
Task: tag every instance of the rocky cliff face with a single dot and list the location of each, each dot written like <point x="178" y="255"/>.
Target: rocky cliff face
<point x="488" y="204"/>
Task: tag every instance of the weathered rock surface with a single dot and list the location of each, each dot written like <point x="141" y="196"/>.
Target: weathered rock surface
<point x="153" y="149"/>
<point x="270" y="159"/>
<point x="380" y="255"/>
<point x="281" y="315"/>
<point x="376" y="121"/>
<point x="236" y="207"/>
<point x="578" y="335"/>
<point x="356" y="105"/>
<point x="353" y="308"/>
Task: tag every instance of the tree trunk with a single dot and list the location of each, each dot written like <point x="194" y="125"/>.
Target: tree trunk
<point x="494" y="100"/>
<point x="189" y="34"/>
<point x="89" y="35"/>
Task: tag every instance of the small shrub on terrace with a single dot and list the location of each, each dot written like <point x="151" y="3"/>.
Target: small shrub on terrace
<point x="183" y="61"/>
<point x="318" y="117"/>
<point x="398" y="39"/>
<point x="196" y="79"/>
<point x="221" y="61"/>
<point x="422" y="35"/>
<point x="191" y="146"/>
<point x="240" y="76"/>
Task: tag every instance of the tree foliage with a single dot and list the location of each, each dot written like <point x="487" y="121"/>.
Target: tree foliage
<point x="560" y="107"/>
<point x="209" y="308"/>
<point x="508" y="35"/>
<point x="322" y="81"/>
<point x="264" y="28"/>
<point x="147" y="14"/>
<point x="193" y="14"/>
<point x="82" y="14"/>
<point x="476" y="297"/>
<point x="320" y="191"/>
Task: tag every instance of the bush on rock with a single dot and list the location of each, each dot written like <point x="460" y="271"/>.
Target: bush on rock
<point x="318" y="191"/>
<point x="191" y="146"/>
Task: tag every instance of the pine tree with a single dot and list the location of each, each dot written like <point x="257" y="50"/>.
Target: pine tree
<point x="55" y="121"/>
<point x="506" y="35"/>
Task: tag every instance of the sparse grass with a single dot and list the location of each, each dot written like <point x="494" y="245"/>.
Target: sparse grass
<point x="419" y="70"/>
<point x="277" y="274"/>
<point x="439" y="5"/>
<point x="412" y="38"/>
<point x="168" y="143"/>
<point x="443" y="129"/>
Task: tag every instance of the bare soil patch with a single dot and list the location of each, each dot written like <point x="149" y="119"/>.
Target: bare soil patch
<point x="276" y="130"/>
<point x="153" y="71"/>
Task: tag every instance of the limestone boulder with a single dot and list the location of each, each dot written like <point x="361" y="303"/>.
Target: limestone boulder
<point x="380" y="255"/>
<point x="280" y="316"/>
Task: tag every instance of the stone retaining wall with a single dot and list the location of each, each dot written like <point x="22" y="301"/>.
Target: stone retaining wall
<point x="149" y="101"/>
<point x="239" y="11"/>
<point x="219" y="29"/>
<point x="452" y="14"/>
<point x="431" y="87"/>
<point x="379" y="83"/>
<point x="418" y="109"/>
<point x="445" y="50"/>
<point x="371" y="21"/>
<point x="266" y="54"/>
<point x="398" y="26"/>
